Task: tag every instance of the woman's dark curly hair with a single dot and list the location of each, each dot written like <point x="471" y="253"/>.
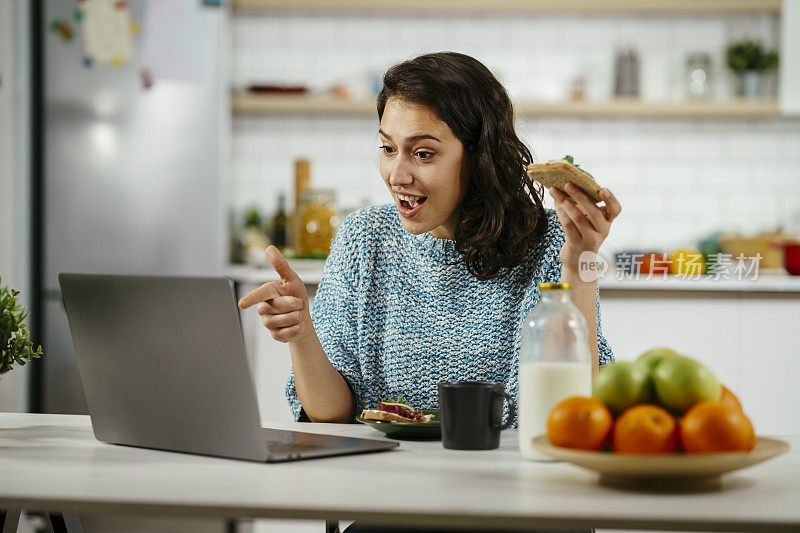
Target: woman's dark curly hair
<point x="501" y="218"/>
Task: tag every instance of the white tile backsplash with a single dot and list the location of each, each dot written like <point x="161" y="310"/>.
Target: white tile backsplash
<point x="678" y="179"/>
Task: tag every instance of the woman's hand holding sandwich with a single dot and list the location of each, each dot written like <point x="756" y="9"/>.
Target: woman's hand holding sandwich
<point x="585" y="224"/>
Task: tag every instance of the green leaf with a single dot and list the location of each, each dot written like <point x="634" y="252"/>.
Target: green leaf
<point x="748" y="55"/>
<point x="571" y="160"/>
<point x="15" y="345"/>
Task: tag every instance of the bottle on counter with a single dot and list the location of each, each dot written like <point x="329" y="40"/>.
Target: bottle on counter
<point x="302" y="182"/>
<point x="280" y="220"/>
<point x="236" y="252"/>
<point x="555" y="362"/>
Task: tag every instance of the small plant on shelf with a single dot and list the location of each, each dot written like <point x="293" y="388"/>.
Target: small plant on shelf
<point x="750" y="56"/>
<point x="750" y="61"/>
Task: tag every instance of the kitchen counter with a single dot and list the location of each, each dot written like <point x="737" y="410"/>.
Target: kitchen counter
<point x="54" y="463"/>
<point x="310" y="271"/>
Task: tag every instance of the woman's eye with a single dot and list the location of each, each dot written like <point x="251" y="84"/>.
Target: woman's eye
<point x="424" y="155"/>
<point x="386" y="149"/>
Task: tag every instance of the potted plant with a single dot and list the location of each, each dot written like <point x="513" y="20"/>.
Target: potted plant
<point x="15" y="346"/>
<point x="254" y="237"/>
<point x="750" y="62"/>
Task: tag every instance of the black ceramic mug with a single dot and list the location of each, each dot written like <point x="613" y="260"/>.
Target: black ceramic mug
<point x="471" y="414"/>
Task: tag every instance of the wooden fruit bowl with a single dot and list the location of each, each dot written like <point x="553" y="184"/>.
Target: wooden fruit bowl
<point x="664" y="472"/>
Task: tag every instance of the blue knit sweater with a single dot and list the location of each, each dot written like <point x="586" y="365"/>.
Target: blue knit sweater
<point x="396" y="318"/>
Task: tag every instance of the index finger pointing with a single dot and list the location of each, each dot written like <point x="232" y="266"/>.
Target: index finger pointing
<point x="280" y="264"/>
<point x="263" y="293"/>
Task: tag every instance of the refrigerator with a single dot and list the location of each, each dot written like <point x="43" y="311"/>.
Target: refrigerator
<point x="133" y="156"/>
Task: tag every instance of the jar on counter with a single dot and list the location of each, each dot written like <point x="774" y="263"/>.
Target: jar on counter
<point x="317" y="221"/>
<point x="698" y="75"/>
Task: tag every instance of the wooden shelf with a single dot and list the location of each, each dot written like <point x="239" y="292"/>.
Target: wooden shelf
<point x="260" y="104"/>
<point x="253" y="103"/>
<point x="515" y="6"/>
<point x="739" y="108"/>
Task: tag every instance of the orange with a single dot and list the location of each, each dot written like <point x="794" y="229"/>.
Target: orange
<point x="729" y="398"/>
<point x="687" y="262"/>
<point x="579" y="422"/>
<point x="713" y="426"/>
<point x="645" y="428"/>
<point x="654" y="264"/>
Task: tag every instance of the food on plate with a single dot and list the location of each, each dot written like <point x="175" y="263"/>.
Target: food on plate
<point x="712" y="426"/>
<point x="622" y="384"/>
<point x="396" y="411"/>
<point x="579" y="422"/>
<point x="645" y="428"/>
<point x="680" y="382"/>
<point x="559" y="173"/>
<point x="662" y="402"/>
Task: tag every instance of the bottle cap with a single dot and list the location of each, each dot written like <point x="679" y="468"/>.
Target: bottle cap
<point x="554" y="286"/>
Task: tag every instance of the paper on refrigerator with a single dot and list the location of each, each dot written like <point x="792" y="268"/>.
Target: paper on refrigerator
<point x="107" y="32"/>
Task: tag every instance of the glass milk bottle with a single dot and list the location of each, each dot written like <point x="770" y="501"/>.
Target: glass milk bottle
<point x="554" y="362"/>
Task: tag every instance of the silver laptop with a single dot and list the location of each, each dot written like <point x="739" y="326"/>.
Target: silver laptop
<point x="163" y="365"/>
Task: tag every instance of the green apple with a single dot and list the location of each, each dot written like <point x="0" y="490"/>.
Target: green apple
<point x="652" y="357"/>
<point x="680" y="382"/>
<point x="622" y="384"/>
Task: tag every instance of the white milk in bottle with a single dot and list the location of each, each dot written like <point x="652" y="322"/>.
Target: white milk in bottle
<point x="554" y="362"/>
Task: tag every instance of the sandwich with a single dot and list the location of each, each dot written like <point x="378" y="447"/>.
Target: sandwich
<point x="558" y="173"/>
<point x="396" y="411"/>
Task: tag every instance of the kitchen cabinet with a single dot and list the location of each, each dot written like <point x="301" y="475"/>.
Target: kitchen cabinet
<point x="769" y="362"/>
<point x="742" y="336"/>
<point x="270" y="361"/>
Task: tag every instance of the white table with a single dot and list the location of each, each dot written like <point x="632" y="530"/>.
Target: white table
<point x="53" y="462"/>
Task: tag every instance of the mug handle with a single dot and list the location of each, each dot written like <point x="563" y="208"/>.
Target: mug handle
<point x="512" y="410"/>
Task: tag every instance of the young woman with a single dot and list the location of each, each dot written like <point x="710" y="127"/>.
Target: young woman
<point x="435" y="286"/>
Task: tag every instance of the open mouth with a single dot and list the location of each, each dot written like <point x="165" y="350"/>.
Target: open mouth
<point x="410" y="205"/>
